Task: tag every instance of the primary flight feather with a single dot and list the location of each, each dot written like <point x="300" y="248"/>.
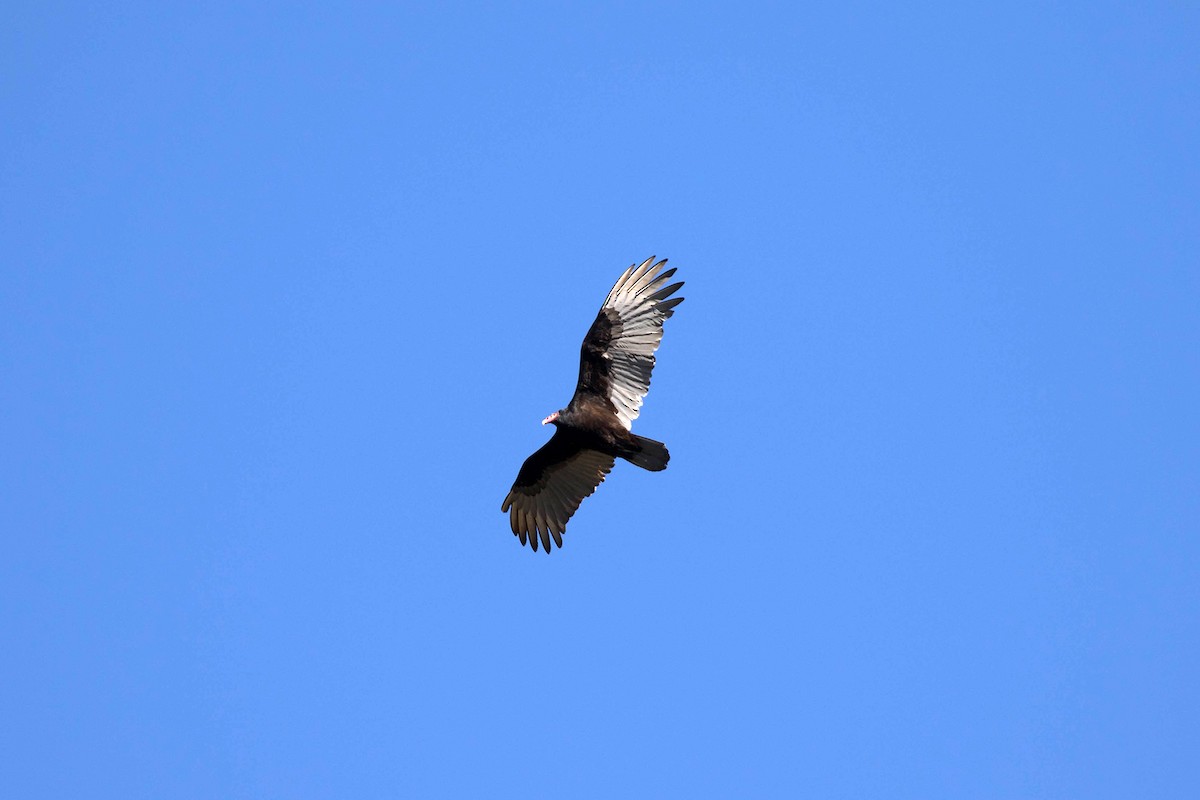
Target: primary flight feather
<point x="615" y="363"/>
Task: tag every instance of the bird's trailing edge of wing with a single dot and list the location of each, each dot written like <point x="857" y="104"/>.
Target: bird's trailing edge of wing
<point x="628" y="330"/>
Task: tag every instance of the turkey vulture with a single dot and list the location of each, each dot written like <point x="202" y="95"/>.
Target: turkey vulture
<point x="594" y="429"/>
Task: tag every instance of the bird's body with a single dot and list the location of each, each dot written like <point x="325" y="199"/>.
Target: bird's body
<point x="594" y="428"/>
<point x="615" y="363"/>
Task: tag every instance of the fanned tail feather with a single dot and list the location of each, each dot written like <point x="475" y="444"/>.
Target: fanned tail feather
<point x="652" y="456"/>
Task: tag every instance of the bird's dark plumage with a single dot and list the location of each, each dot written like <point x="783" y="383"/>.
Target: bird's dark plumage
<point x="615" y="363"/>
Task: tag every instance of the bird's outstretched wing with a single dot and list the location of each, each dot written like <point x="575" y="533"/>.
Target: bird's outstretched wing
<point x="617" y="356"/>
<point x="550" y="486"/>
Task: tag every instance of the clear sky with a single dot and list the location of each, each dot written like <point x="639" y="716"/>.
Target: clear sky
<point x="286" y="291"/>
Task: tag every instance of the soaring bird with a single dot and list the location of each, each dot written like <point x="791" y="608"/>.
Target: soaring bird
<point x="594" y="429"/>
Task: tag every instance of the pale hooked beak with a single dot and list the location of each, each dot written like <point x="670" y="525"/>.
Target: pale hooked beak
<point x="550" y="418"/>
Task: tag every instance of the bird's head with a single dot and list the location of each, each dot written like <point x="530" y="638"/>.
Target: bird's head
<point x="552" y="418"/>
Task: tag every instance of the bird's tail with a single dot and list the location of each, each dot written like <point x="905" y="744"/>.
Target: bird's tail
<point x="652" y="455"/>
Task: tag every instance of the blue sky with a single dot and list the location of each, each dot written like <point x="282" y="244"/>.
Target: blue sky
<point x="287" y="289"/>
